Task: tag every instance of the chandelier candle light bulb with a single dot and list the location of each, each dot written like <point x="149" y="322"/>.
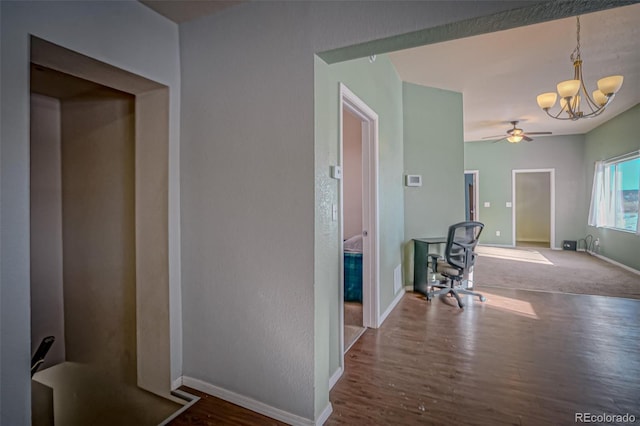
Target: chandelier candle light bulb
<point x="569" y="92"/>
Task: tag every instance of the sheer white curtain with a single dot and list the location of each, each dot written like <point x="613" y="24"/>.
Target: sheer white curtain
<point x="598" y="207"/>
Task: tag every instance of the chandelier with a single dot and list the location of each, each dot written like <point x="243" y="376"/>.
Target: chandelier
<point x="573" y="93"/>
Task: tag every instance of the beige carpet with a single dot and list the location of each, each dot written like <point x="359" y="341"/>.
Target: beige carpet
<point x="553" y="270"/>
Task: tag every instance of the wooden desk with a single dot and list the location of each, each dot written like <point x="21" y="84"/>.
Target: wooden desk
<point x="420" y="260"/>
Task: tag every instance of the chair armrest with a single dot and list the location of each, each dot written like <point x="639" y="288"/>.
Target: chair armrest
<point x="434" y="261"/>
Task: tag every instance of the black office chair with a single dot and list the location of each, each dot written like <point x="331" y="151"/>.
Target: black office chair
<point x="458" y="261"/>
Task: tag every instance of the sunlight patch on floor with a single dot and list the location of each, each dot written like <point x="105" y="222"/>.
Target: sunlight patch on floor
<point x="531" y="256"/>
<point x="510" y="305"/>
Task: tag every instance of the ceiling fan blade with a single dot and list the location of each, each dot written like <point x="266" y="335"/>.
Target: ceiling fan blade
<point x="526" y="138"/>
<point x="496" y="136"/>
<point x="539" y="133"/>
<point x="500" y="140"/>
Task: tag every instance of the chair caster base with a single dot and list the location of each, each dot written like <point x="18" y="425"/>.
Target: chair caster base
<point x="483" y="299"/>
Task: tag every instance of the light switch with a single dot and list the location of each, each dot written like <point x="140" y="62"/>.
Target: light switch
<point x="334" y="212"/>
<point x="487" y="204"/>
<point x="508" y="203"/>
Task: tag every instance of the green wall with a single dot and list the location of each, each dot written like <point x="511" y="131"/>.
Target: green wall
<point x="495" y="162"/>
<point x="379" y="86"/>
<point x="617" y="136"/>
<point x="434" y="149"/>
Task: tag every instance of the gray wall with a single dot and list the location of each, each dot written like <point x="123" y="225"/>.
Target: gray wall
<point x="127" y="35"/>
<point x="495" y="162"/>
<point x="47" y="304"/>
<point x="616" y="137"/>
<point x="249" y="250"/>
<point x="434" y="149"/>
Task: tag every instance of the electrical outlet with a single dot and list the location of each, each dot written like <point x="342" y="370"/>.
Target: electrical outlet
<point x="596" y="242"/>
<point x="497" y="233"/>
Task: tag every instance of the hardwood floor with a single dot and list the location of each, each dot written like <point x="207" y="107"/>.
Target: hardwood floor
<point x="521" y="358"/>
<point x="209" y="411"/>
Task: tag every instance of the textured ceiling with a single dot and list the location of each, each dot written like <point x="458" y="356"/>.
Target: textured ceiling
<point x="500" y="74"/>
<point x="186" y="10"/>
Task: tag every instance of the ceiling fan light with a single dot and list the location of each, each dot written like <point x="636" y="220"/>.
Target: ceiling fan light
<point x="568" y="88"/>
<point x="514" y="138"/>
<point x="600" y="98"/>
<point x="547" y="100"/>
<point x="610" y="85"/>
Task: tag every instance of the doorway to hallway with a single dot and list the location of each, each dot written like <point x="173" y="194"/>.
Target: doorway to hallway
<point x="534" y="208"/>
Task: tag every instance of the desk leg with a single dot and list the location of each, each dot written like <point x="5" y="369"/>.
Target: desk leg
<point x="420" y="267"/>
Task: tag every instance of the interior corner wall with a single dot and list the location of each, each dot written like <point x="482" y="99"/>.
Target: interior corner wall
<point x="615" y="137"/>
<point x="495" y="162"/>
<point x="433" y="148"/>
<point x="47" y="301"/>
<point x="127" y="35"/>
<point x="98" y="227"/>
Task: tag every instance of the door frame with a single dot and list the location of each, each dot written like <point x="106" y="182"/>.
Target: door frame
<point x="476" y="192"/>
<point x="151" y="205"/>
<point x="370" y="214"/>
<point x="552" y="204"/>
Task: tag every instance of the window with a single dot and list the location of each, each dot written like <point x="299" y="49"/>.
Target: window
<point x="616" y="189"/>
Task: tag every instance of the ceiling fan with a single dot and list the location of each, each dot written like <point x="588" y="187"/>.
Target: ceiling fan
<point x="516" y="135"/>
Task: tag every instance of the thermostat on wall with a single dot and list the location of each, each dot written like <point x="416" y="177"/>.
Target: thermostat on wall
<point x="413" y="180"/>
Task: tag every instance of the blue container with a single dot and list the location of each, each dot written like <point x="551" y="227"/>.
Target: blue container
<point x="353" y="277"/>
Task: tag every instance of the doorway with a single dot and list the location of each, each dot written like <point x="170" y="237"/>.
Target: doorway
<point x="534" y="208"/>
<point x="352" y="226"/>
<point x="471" y="194"/>
<point x="99" y="213"/>
<point x="358" y="158"/>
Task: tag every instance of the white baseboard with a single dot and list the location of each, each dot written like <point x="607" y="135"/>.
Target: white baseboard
<point x="249" y="403"/>
<point x="335" y="377"/>
<point x="186" y="398"/>
<point x="324" y="415"/>
<point x="393" y="304"/>
<point x="498" y="245"/>
<point x="606" y="259"/>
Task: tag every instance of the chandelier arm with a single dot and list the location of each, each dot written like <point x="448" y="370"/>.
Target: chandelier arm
<point x="557" y="116"/>
<point x="590" y="102"/>
<point x="574" y="114"/>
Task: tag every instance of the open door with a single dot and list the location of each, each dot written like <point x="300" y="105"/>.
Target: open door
<point x="471" y="194"/>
